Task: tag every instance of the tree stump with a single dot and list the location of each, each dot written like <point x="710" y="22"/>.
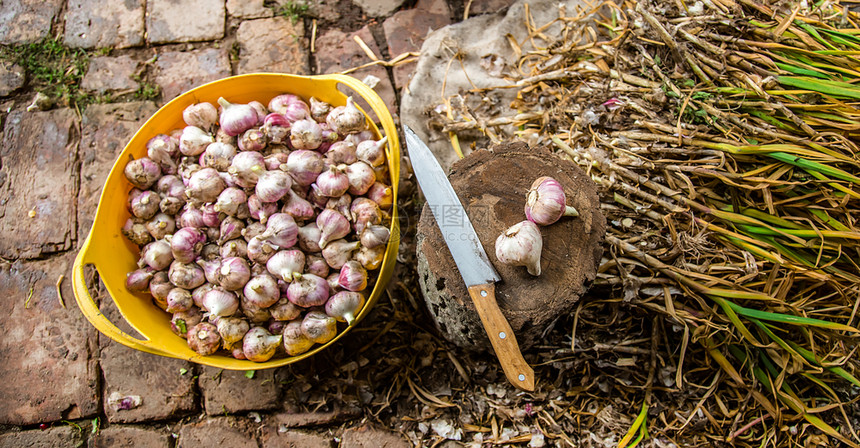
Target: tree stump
<point x="492" y="187"/>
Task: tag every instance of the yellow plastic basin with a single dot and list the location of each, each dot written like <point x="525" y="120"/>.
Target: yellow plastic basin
<point x="113" y="256"/>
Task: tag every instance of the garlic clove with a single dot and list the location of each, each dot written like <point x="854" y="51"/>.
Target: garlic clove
<point x="520" y="245"/>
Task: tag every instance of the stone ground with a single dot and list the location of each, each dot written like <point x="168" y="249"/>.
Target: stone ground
<point x="61" y="374"/>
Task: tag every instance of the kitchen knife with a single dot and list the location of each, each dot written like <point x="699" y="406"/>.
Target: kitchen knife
<point x="477" y="271"/>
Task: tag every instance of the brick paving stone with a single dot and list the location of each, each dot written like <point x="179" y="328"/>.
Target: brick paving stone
<point x="248" y="9"/>
<point x="110" y="74"/>
<point x="178" y="72"/>
<point x="405" y="31"/>
<point x="104" y="23"/>
<point x="306" y="419"/>
<point x="337" y="51"/>
<point x="272" y="45"/>
<point x="164" y="392"/>
<point x="49" y="438"/>
<point x="171" y="21"/>
<point x="368" y="437"/>
<point x="37" y="183"/>
<point x="379" y="8"/>
<point x="105" y="130"/>
<point x="48" y="351"/>
<point x="31" y="18"/>
<point x="216" y="433"/>
<point x="230" y="391"/>
<point x="273" y="437"/>
<point x="11" y="77"/>
<point x="120" y="436"/>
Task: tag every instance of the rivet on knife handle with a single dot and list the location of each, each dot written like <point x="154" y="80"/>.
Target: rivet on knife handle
<point x="519" y="373"/>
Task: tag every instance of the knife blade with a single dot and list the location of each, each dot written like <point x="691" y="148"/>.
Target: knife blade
<point x="478" y="273"/>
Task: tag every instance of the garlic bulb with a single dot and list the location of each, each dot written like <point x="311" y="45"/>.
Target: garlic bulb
<point x="344" y="305"/>
<point x="259" y="345"/>
<point x="232" y="329"/>
<point x="546" y="202"/>
<point x="202" y="115"/>
<point x="295" y="341"/>
<point x="236" y="118"/>
<point x="143" y="172"/>
<point x="346" y="119"/>
<point x="521" y="245"/>
<point x="194" y="141"/>
<point x="204" y="339"/>
<point x="319" y="327"/>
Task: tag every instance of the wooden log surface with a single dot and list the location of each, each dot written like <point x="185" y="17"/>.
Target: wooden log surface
<point x="492" y="186"/>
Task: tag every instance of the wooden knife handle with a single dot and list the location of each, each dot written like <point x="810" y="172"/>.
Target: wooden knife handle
<point x="502" y="337"/>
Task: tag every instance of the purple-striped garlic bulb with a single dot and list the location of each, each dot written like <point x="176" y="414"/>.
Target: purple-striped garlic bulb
<point x="306" y="134"/>
<point x="361" y="177"/>
<point x="233" y="273"/>
<point x="186" y="244"/>
<point x="232" y="329"/>
<point x="179" y="299"/>
<point x="247" y="167"/>
<point x="156" y="255"/>
<point x="333" y="182"/>
<point x="186" y="275"/>
<point x="286" y="264"/>
<point x="273" y="185"/>
<point x="281" y="230"/>
<point x="546" y="202"/>
<point x="304" y="166"/>
<point x="236" y="118"/>
<point x="353" y="276"/>
<point x="332" y="226"/>
<point x="382" y="194"/>
<point x="142" y="173"/>
<point x="204" y="339"/>
<point x="307" y="290"/>
<point x="218" y="302"/>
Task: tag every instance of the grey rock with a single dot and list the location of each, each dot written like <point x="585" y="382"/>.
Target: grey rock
<point x="379" y="8"/>
<point x="248" y="9"/>
<point x="170" y="21"/>
<point x="178" y="72"/>
<point x="97" y="23"/>
<point x="272" y="45"/>
<point x="11" y="77"/>
<point x="27" y="21"/>
<point x="110" y="74"/>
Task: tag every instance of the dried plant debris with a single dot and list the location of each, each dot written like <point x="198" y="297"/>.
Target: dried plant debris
<point x="724" y="138"/>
